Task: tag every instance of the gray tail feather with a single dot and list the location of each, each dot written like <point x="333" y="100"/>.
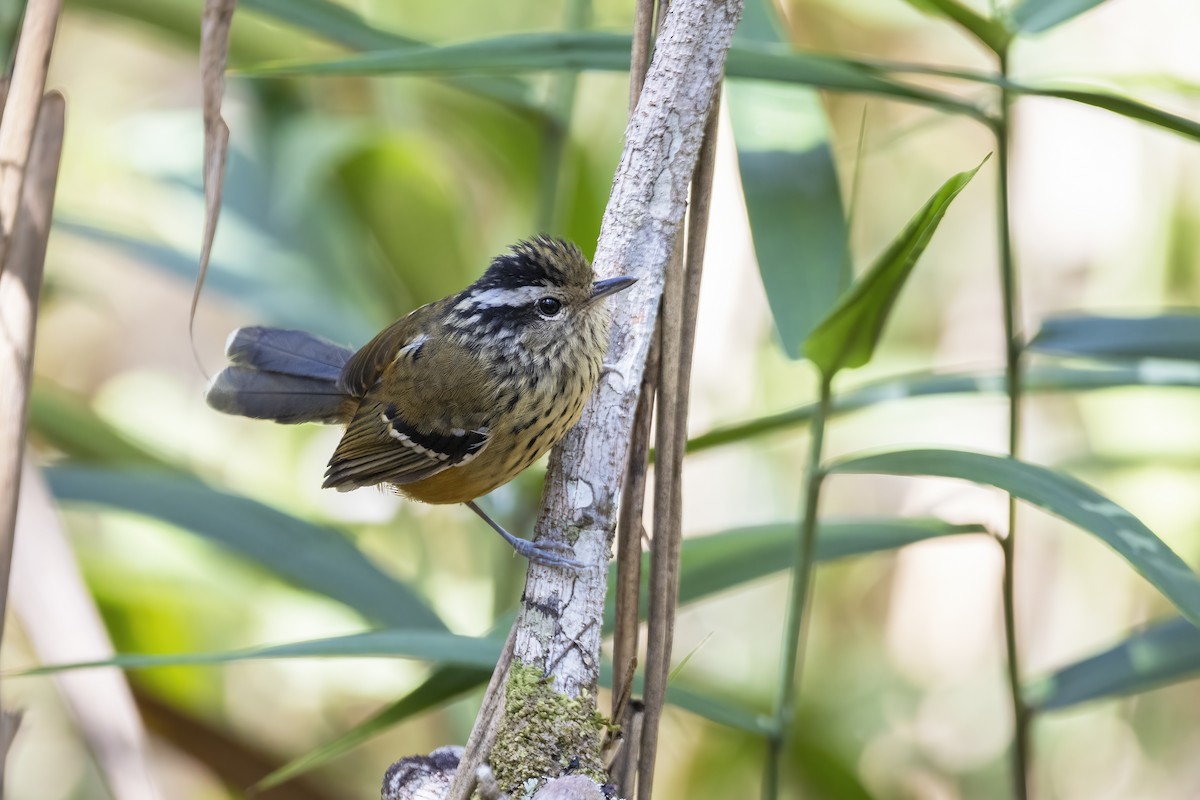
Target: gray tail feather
<point x="298" y="353"/>
<point x="281" y="375"/>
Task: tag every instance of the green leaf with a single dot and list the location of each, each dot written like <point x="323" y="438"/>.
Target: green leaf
<point x="705" y="705"/>
<point x="790" y="182"/>
<point x="721" y="561"/>
<point x="1165" y="652"/>
<point x="610" y="52"/>
<point x="445" y="684"/>
<point x="1035" y="16"/>
<point x="709" y="564"/>
<point x="1165" y="336"/>
<point x="339" y="24"/>
<point x="995" y="36"/>
<point x="1062" y="496"/>
<point x="1038" y="378"/>
<point x="64" y="420"/>
<point x="425" y="645"/>
<point x="330" y="21"/>
<point x="315" y="557"/>
<point x="848" y="336"/>
<point x="1118" y="105"/>
<point x="794" y="204"/>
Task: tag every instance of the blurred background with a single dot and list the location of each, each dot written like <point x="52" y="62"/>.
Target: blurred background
<point x="349" y="201"/>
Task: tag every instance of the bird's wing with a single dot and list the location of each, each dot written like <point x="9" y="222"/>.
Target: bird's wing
<point x="365" y="367"/>
<point x="380" y="446"/>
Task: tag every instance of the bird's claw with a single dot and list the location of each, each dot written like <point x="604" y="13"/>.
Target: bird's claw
<point x="548" y="554"/>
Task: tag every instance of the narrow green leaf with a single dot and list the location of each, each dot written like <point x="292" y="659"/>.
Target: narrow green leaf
<point x="1038" y="378"/>
<point x="709" y="564"/>
<point x="511" y="53"/>
<point x="444" y="685"/>
<point x="1035" y="16"/>
<point x="330" y="21"/>
<point x="1062" y="496"/>
<point x="424" y="645"/>
<point x="1164" y="336"/>
<point x="790" y="182"/>
<point x="1164" y="653"/>
<point x="313" y="556"/>
<point x="848" y="336"/>
<point x="705" y="705"/>
<point x="794" y="203"/>
<point x="63" y="420"/>
<point x="610" y="52"/>
<point x="721" y="561"/>
<point x="1118" y="105"/>
<point x="994" y="35"/>
<point x="339" y="24"/>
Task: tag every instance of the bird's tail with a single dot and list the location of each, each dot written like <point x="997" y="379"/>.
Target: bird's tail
<point x="282" y="375"/>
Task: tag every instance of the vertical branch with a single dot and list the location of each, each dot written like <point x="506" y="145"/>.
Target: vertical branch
<point x="801" y="587"/>
<point x="21" y="109"/>
<point x="677" y="332"/>
<point x="559" y="627"/>
<point x="20" y="287"/>
<point x="664" y="547"/>
<point x="1013" y="345"/>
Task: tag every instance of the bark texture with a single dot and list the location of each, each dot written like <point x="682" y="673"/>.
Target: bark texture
<point x="559" y="628"/>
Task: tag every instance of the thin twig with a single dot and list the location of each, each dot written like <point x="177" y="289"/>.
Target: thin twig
<point x="1013" y="346"/>
<point x="672" y="422"/>
<point x="25" y="92"/>
<point x="487" y="723"/>
<point x="801" y="588"/>
<point x="20" y="287"/>
<point x="664" y="546"/>
<point x="629" y="536"/>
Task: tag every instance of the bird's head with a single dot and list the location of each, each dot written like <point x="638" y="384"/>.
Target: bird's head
<point x="542" y="294"/>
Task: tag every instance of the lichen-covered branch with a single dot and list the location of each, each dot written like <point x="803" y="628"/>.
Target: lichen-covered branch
<point x="560" y="622"/>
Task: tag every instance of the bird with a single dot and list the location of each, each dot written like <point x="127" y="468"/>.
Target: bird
<point x="452" y="400"/>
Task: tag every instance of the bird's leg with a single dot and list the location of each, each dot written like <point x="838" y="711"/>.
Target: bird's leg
<point x="550" y="554"/>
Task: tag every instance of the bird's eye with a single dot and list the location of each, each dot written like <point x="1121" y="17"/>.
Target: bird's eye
<point x="549" y="306"/>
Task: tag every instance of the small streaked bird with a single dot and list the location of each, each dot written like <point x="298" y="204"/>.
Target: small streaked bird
<point x="456" y="398"/>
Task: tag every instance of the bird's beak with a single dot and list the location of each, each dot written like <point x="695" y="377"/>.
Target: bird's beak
<point x="610" y="285"/>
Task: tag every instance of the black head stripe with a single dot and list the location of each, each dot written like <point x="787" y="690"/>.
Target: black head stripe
<point x="537" y="262"/>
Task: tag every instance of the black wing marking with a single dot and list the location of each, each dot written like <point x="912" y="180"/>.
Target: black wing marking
<point x="385" y="448"/>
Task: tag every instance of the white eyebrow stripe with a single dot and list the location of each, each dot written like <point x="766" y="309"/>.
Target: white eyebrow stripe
<point x="491" y="298"/>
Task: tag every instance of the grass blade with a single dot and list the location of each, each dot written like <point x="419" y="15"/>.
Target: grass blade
<point x="527" y="52"/>
<point x="1038" y="378"/>
<point x="442" y="686"/>
<point x="848" y="336"/>
<point x="312" y="556"/>
<point x="1061" y="495"/>
<point x="424" y="645"/>
<point x="1174" y="336"/>
<point x="1164" y="653"/>
<point x="994" y="35"/>
<point x="1035" y="16"/>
